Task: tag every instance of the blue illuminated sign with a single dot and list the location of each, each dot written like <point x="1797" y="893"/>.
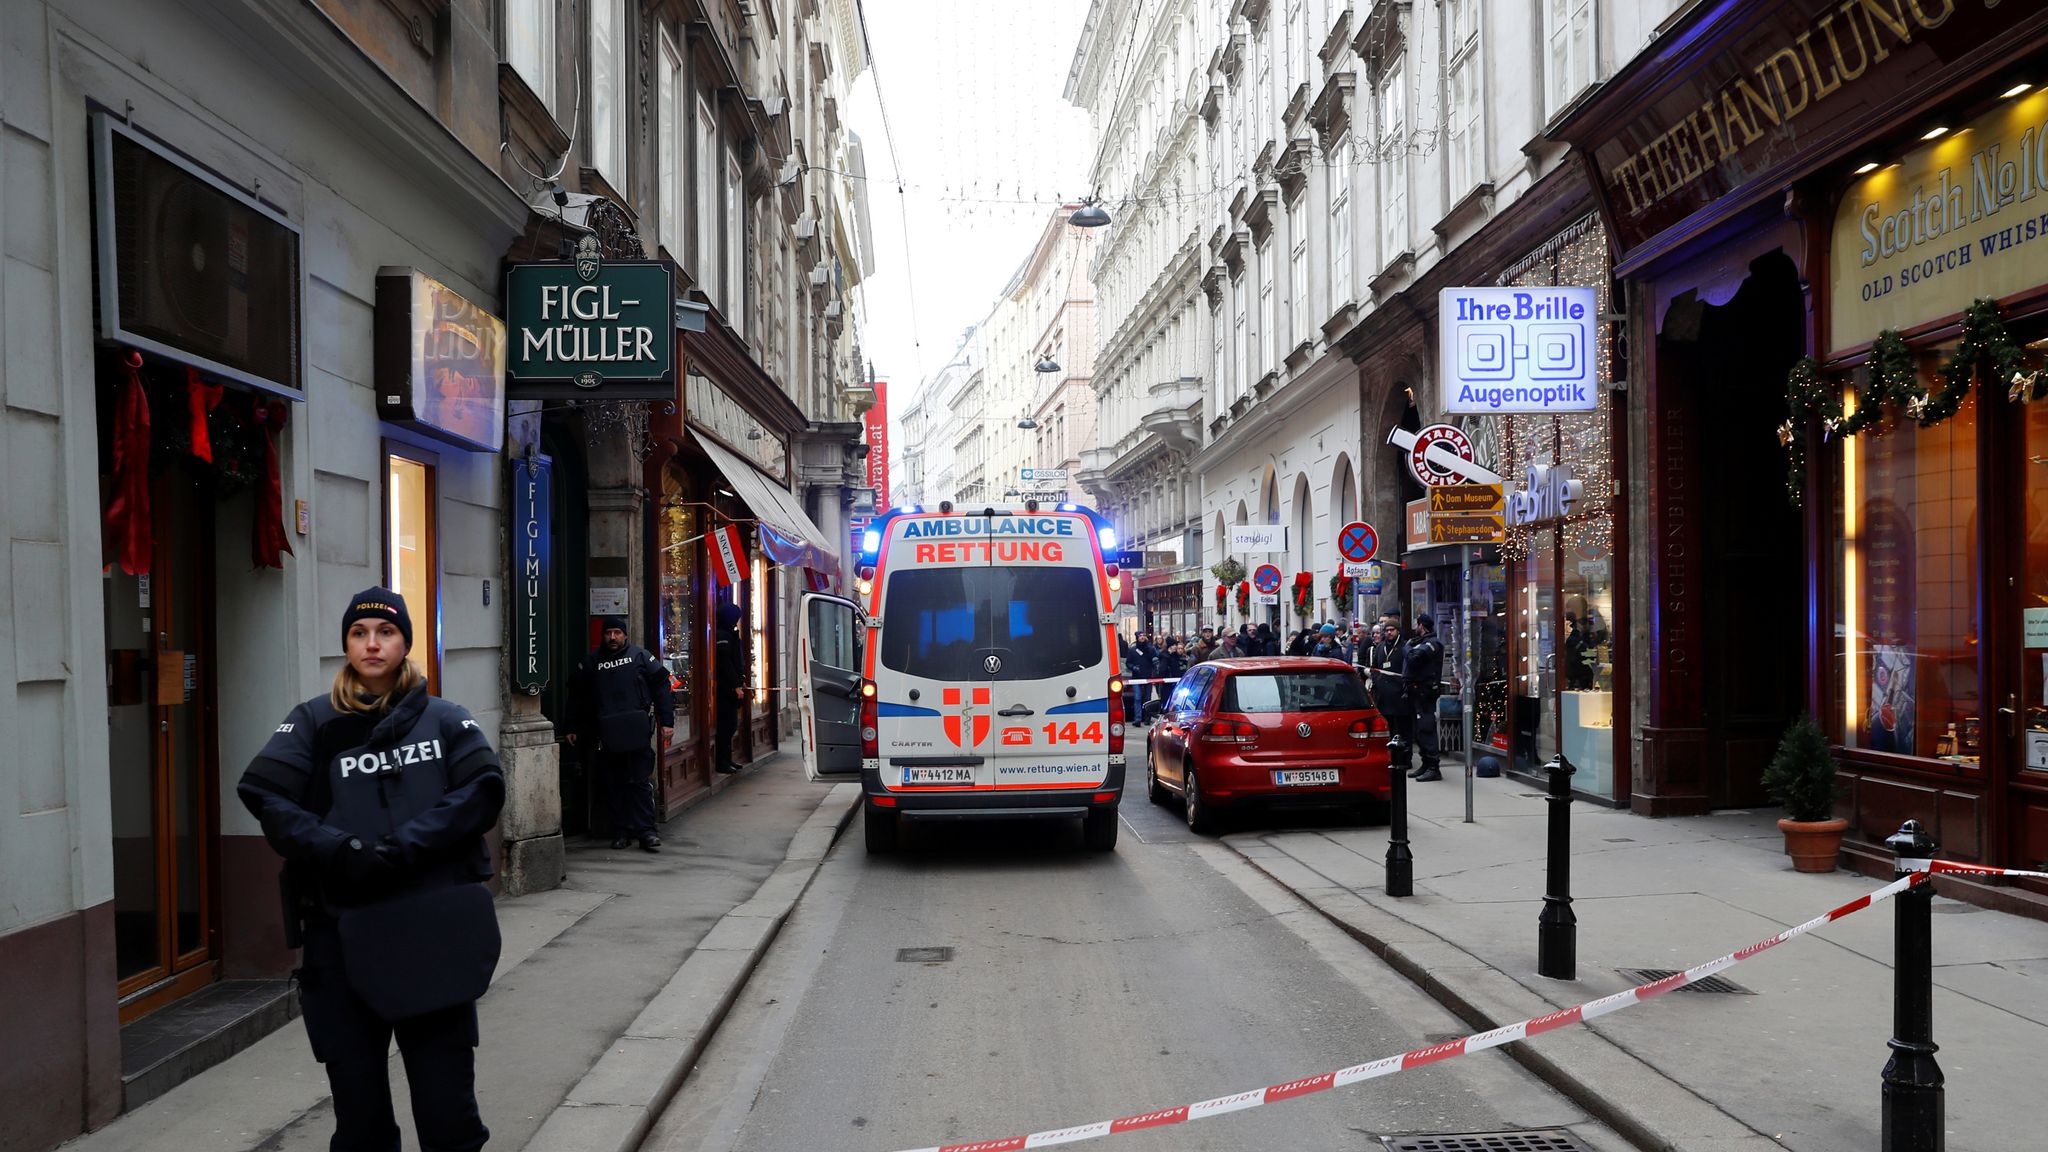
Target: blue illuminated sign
<point x="1518" y="350"/>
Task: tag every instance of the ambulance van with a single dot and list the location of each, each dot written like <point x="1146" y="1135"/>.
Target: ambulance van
<point x="976" y="678"/>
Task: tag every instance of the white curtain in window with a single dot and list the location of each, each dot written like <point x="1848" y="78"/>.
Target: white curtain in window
<point x="668" y="146"/>
<point x="1467" y="140"/>
<point x="530" y="44"/>
<point x="1393" y="160"/>
<point x="704" y="261"/>
<point x="1568" y="27"/>
<point x="1340" y="227"/>
<point x="607" y="95"/>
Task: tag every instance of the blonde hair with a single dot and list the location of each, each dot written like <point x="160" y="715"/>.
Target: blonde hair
<point x="350" y="694"/>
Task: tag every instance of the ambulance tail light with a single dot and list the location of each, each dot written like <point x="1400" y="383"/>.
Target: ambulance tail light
<point x="870" y="737"/>
<point x="1113" y="572"/>
<point x="864" y="583"/>
<point x="1116" y="712"/>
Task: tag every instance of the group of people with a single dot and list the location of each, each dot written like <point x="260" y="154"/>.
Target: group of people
<point x="1403" y="670"/>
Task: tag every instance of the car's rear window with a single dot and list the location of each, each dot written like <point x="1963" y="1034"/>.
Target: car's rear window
<point x="1333" y="691"/>
<point x="944" y="623"/>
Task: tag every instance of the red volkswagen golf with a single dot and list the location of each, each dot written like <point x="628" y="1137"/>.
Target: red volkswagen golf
<point x="1279" y="732"/>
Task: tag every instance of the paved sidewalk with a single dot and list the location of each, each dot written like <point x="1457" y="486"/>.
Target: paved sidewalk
<point x="1796" y="1065"/>
<point x="580" y="963"/>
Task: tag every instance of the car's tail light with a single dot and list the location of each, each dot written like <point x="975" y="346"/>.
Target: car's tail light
<point x="1230" y="732"/>
<point x="1368" y="728"/>
<point x="1116" y="712"/>
<point x="870" y="738"/>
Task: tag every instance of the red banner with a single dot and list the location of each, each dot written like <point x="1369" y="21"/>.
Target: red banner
<point x="877" y="421"/>
<point x="728" y="556"/>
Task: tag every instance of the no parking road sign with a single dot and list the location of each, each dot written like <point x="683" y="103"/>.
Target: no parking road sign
<point x="1358" y="542"/>
<point x="1266" y="579"/>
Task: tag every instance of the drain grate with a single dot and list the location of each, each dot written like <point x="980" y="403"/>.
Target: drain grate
<point x="923" y="955"/>
<point x="1539" y="1140"/>
<point x="1710" y="984"/>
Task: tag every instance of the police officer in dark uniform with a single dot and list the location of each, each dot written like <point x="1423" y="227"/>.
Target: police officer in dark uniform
<point x="378" y="796"/>
<point x="729" y="684"/>
<point x="613" y="688"/>
<point x="1384" y="662"/>
<point x="1423" y="666"/>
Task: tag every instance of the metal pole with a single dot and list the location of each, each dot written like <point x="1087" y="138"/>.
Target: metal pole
<point x="1557" y="927"/>
<point x="1912" y="1093"/>
<point x="1400" y="861"/>
<point x="1466" y="694"/>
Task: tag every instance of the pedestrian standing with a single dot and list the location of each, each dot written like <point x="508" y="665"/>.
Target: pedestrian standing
<point x="1423" y="666"/>
<point x="378" y="795"/>
<point x="1266" y="643"/>
<point x="613" y="690"/>
<point x="729" y="685"/>
<point x="1385" y="663"/>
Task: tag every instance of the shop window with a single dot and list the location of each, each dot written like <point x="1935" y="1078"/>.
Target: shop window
<point x="679" y="537"/>
<point x="2034" y="586"/>
<point x="1907" y="556"/>
<point x="757" y="628"/>
<point x="530" y="45"/>
<point x="411" y="561"/>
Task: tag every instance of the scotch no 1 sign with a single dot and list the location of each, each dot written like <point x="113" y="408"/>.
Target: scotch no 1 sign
<point x="591" y="329"/>
<point x="1518" y="349"/>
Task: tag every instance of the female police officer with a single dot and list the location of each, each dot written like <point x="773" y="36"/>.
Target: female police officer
<point x="378" y="796"/>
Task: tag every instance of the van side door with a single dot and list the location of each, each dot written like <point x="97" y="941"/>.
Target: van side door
<point x="829" y="685"/>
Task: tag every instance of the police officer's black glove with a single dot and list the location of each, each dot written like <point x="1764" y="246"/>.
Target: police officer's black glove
<point x="361" y="872"/>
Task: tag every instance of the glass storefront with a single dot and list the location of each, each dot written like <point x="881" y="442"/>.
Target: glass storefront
<point x="676" y="536"/>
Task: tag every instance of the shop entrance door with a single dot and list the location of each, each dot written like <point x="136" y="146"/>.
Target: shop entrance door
<point x="1754" y="655"/>
<point x="2015" y="730"/>
<point x="162" y="759"/>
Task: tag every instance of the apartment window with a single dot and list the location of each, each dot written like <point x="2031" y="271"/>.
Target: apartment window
<point x="1393" y="159"/>
<point x="530" y="45"/>
<point x="1297" y="277"/>
<point x="1216" y="376"/>
<point x="1267" y="274"/>
<point x="411" y="562"/>
<point x="1340" y="227"/>
<point x="607" y="91"/>
<point x="704" y="261"/>
<point x="1464" y="100"/>
<point x="1239" y="349"/>
<point x="668" y="148"/>
<point x="1568" y="30"/>
<point x="735" y="239"/>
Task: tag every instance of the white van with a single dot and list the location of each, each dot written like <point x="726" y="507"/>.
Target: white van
<point x="979" y="679"/>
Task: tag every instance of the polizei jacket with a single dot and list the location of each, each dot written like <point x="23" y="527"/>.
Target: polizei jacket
<point x="420" y="778"/>
<point x="614" y="691"/>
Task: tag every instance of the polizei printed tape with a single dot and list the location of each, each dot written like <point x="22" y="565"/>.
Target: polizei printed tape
<point x="1591" y="1010"/>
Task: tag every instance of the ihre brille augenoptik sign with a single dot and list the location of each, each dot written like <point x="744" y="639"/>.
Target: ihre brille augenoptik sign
<point x="1518" y="350"/>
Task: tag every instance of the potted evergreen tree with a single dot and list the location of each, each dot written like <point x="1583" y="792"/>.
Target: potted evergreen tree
<point x="1801" y="777"/>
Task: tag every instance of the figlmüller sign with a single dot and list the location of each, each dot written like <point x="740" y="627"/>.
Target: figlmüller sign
<point x="591" y="329"/>
<point x="1518" y="349"/>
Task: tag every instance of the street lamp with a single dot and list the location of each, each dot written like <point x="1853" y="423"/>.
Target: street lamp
<point x="1027" y="423"/>
<point x="1047" y="364"/>
<point x="1089" y="215"/>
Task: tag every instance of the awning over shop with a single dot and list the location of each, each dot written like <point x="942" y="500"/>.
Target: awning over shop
<point x="787" y="534"/>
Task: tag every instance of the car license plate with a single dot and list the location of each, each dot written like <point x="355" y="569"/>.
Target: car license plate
<point x="1306" y="776"/>
<point x="961" y="775"/>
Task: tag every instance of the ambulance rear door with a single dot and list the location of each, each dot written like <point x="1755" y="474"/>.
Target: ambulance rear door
<point x="828" y="686"/>
<point x="933" y="681"/>
<point x="1049" y="658"/>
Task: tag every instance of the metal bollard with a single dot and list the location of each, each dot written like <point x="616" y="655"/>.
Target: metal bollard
<point x="1400" y="861"/>
<point x="1912" y="1079"/>
<point x="1557" y="928"/>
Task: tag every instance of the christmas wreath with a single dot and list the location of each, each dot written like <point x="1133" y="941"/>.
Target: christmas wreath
<point x="1228" y="570"/>
<point x="1222" y="598"/>
<point x="1244" y="597"/>
<point x="1340" y="593"/>
<point x="1304" y="595"/>
<point x="1984" y="348"/>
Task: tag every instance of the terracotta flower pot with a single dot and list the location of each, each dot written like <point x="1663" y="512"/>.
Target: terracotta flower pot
<point x="1813" y="844"/>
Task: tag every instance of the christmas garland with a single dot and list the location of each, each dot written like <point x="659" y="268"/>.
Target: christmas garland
<point x="1983" y="348"/>
<point x="1228" y="570"/>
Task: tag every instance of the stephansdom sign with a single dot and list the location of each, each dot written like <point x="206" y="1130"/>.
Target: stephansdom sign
<point x="1518" y="349"/>
<point x="532" y="496"/>
<point x="591" y="329"/>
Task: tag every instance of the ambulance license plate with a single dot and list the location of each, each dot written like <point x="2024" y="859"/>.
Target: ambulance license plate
<point x="960" y="775"/>
<point x="1306" y="776"/>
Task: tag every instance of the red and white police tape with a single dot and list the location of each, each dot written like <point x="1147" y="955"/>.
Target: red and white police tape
<point x="1922" y="870"/>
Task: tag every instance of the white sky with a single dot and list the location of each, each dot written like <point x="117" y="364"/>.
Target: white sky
<point x="988" y="149"/>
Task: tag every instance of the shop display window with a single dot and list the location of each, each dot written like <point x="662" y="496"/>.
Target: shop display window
<point x="411" y="567"/>
<point x="2034" y="591"/>
<point x="1907" y="553"/>
<point x="678" y="529"/>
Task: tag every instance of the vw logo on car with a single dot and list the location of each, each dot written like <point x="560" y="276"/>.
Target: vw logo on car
<point x="994" y="664"/>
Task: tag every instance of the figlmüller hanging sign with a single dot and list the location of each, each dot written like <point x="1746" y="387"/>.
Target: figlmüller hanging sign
<point x="1506" y="350"/>
<point x="591" y="329"/>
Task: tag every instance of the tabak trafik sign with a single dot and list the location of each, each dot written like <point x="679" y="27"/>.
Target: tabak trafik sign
<point x="591" y="329"/>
